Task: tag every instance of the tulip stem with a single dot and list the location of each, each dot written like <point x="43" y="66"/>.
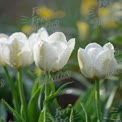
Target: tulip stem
<point x="97" y="97"/>
<point x="13" y="90"/>
<point x="46" y="94"/>
<point x="22" y="97"/>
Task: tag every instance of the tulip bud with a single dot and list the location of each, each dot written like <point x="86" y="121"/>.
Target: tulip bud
<point x="96" y="61"/>
<point x="52" y="53"/>
<point x="18" y="52"/>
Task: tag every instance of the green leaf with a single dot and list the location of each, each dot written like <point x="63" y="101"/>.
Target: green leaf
<point x="16" y="114"/>
<point x="3" y="112"/>
<point x="41" y="116"/>
<point x="33" y="108"/>
<point x="88" y="100"/>
<point x="52" y="96"/>
<point x="36" y="86"/>
<point x="84" y="110"/>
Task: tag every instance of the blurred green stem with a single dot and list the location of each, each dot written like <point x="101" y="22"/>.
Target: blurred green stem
<point x="46" y="94"/>
<point x="14" y="93"/>
<point x="22" y="97"/>
<point x="97" y="98"/>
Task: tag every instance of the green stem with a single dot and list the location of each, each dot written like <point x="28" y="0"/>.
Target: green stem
<point x="13" y="90"/>
<point x="97" y="97"/>
<point x="22" y="97"/>
<point x="46" y="94"/>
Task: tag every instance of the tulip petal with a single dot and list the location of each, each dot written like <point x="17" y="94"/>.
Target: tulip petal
<point x="85" y="64"/>
<point x="4" y="35"/>
<point x="15" y="57"/>
<point x="45" y="55"/>
<point x="63" y="59"/>
<point x="109" y="46"/>
<point x="57" y="36"/>
<point x="60" y="47"/>
<point x="93" y="45"/>
<point x="3" y="51"/>
<point x="105" y="64"/>
<point x="43" y="33"/>
<point x="19" y="36"/>
<point x="27" y="55"/>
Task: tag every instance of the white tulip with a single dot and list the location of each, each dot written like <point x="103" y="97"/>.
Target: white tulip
<point x="51" y="53"/>
<point x="18" y="52"/>
<point x="96" y="61"/>
<point x="3" y="51"/>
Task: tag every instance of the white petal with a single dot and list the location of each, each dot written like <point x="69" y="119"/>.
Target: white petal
<point x="105" y="64"/>
<point x="64" y="57"/>
<point x="27" y="56"/>
<point x="3" y="51"/>
<point x="60" y="47"/>
<point x="19" y="36"/>
<point x="43" y="33"/>
<point x="45" y="55"/>
<point x="85" y="63"/>
<point x="93" y="45"/>
<point x="3" y="40"/>
<point x="93" y="53"/>
<point x="15" y="56"/>
<point x="57" y="36"/>
<point x="4" y="35"/>
<point x="109" y="46"/>
<point x="33" y="39"/>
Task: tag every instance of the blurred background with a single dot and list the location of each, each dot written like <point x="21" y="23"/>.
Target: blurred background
<point x="86" y="20"/>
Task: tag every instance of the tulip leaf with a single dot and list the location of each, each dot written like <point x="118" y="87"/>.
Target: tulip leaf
<point x="52" y="96"/>
<point x="16" y="114"/>
<point x="33" y="108"/>
<point x="88" y="100"/>
<point x="85" y="112"/>
<point x="36" y="86"/>
<point x="41" y="117"/>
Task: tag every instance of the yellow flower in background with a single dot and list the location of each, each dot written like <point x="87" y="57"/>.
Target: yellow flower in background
<point x="103" y="12"/>
<point x="86" y="5"/>
<point x="27" y="29"/>
<point x="48" y="13"/>
<point x="45" y="12"/>
<point x="83" y="29"/>
<point x="106" y="17"/>
<point x="111" y="24"/>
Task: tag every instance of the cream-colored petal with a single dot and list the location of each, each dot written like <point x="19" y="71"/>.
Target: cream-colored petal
<point x="85" y="65"/>
<point x="4" y="35"/>
<point x="105" y="64"/>
<point x="57" y="36"/>
<point x="64" y="57"/>
<point x="3" y="51"/>
<point x="109" y="46"/>
<point x="43" y="33"/>
<point x="93" y="53"/>
<point x="19" y="36"/>
<point x="45" y="55"/>
<point x="27" y="55"/>
<point x="93" y="45"/>
<point x="15" y="56"/>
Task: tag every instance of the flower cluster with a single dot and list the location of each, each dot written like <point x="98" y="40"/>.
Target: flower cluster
<point x="50" y="53"/>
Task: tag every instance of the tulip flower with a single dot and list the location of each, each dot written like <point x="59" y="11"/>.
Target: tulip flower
<point x="96" y="61"/>
<point x="3" y="53"/>
<point x="51" y="53"/>
<point x="18" y="52"/>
